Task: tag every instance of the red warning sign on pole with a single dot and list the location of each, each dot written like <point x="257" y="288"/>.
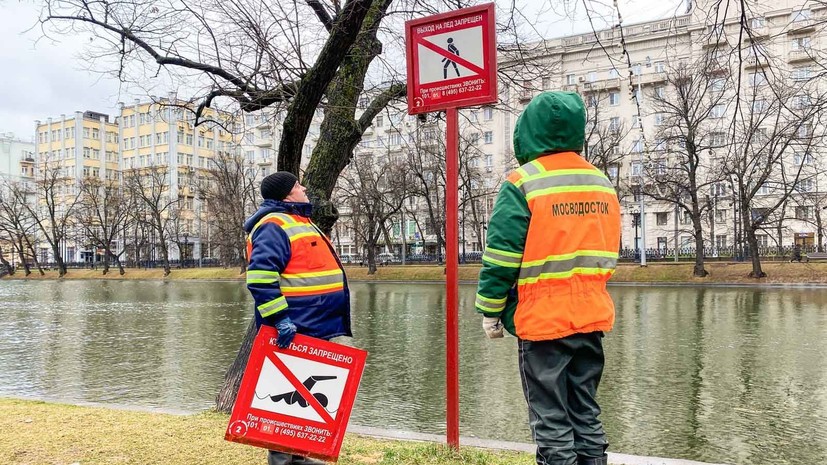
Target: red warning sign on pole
<point x="296" y="400"/>
<point x="452" y="60"/>
<point x="452" y="63"/>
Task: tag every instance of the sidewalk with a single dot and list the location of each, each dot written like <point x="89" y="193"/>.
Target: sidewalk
<point x="614" y="458"/>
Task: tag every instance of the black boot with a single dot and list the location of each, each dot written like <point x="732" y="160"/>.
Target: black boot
<point x="583" y="460"/>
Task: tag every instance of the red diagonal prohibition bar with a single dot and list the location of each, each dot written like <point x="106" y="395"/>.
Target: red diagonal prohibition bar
<point x="455" y="58"/>
<point x="303" y="391"/>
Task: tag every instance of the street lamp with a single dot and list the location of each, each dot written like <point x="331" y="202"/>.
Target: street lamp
<point x="636" y="224"/>
<point x="642" y="218"/>
<point x="184" y="255"/>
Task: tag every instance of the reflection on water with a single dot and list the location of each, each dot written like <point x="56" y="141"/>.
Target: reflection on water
<point x="724" y="375"/>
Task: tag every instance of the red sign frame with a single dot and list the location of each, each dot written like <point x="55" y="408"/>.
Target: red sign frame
<point x="286" y="433"/>
<point x="456" y="92"/>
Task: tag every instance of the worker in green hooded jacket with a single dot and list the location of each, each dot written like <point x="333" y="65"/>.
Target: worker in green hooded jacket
<point x="552" y="245"/>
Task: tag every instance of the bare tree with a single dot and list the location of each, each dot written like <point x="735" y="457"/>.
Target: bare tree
<point x="604" y="134"/>
<point x="103" y="212"/>
<point x="54" y="208"/>
<point x="17" y="227"/>
<point x="777" y="120"/>
<point x="376" y="188"/>
<point x="229" y="189"/>
<point x="690" y="125"/>
<point x="156" y="207"/>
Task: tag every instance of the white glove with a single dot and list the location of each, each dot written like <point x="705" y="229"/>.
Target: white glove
<point x="492" y="326"/>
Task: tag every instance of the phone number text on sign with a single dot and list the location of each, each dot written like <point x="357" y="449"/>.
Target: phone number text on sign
<point x="268" y="426"/>
<point x="437" y="92"/>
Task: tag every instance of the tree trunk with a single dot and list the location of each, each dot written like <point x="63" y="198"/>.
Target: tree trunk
<point x="225" y="400"/>
<point x="698" y="271"/>
<point x="371" y="246"/>
<point x="106" y="254"/>
<point x="165" y="255"/>
<point x="749" y="231"/>
<point x="5" y="263"/>
<point x="61" y="267"/>
<point x="22" y="257"/>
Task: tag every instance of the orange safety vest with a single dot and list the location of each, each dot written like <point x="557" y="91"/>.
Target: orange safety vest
<point x="312" y="269"/>
<point x="571" y="248"/>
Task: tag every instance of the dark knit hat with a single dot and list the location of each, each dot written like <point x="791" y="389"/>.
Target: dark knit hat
<point x="278" y="185"/>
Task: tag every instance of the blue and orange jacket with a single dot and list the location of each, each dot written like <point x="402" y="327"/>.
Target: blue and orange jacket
<point x="294" y="271"/>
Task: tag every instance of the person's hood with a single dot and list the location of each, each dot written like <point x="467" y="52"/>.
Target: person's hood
<point x="277" y="206"/>
<point x="552" y="122"/>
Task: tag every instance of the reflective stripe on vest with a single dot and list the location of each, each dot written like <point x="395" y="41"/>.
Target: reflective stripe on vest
<point x="564" y="266"/>
<point x="312" y="282"/>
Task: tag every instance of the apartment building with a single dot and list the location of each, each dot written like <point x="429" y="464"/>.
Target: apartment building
<point x="74" y="147"/>
<point x="147" y="137"/>
<point x="16" y="156"/>
<point x="619" y="91"/>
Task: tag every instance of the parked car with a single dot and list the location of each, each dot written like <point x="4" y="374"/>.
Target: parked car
<point x="385" y="258"/>
<point x="348" y="258"/>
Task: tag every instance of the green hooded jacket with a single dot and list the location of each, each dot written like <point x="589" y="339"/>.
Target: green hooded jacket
<point x="552" y="122"/>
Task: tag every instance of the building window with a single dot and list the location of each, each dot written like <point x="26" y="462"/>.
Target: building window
<point x="488" y="137"/>
<point x="801" y="74"/>
<point x="614" y="98"/>
<point x="380" y="121"/>
<point x="662" y="218"/>
<point x="546" y="83"/>
<point x="571" y="79"/>
<point x="803" y="213"/>
<point x="720" y="216"/>
<point x="800" y="44"/>
<point x="614" y="73"/>
<point x="757" y="22"/>
<point x="614" y="124"/>
<point x="591" y="76"/>
<point x="718" y="111"/>
<point x="757" y="79"/>
<point x="613" y="171"/>
<point x="660" y="66"/>
<point x="487" y="113"/>
<point x="804" y="185"/>
<point x="800" y="15"/>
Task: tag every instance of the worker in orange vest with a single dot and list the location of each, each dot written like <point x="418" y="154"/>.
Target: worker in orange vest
<point x="294" y="274"/>
<point x="552" y="245"/>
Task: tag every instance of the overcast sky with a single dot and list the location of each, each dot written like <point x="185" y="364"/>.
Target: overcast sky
<point x="43" y="78"/>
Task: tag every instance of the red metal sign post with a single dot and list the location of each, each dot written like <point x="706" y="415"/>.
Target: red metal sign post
<point x="452" y="63"/>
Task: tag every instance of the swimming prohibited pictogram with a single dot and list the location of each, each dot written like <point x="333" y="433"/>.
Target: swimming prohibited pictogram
<point x="296" y="400"/>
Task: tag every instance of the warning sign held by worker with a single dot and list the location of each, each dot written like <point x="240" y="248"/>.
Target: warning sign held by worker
<point x="296" y="400"/>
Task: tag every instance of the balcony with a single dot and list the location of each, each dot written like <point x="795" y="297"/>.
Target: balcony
<point x="653" y="78"/>
<point x="797" y="56"/>
<point x="525" y="96"/>
<point x="605" y="84"/>
<point x="801" y="26"/>
<point x="265" y="142"/>
<point x="570" y="87"/>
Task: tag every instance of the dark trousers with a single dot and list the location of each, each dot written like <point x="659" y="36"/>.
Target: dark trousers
<point x="280" y="458"/>
<point x="560" y="379"/>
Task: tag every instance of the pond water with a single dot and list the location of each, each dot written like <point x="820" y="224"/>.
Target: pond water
<point x="733" y="375"/>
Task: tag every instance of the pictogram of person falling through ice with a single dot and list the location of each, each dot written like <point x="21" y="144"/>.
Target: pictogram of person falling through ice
<point x="453" y="49"/>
